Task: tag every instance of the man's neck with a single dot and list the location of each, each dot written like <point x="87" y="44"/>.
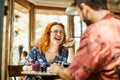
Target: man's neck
<point x="98" y="15"/>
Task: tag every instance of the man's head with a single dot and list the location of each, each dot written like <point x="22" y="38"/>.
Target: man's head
<point x="87" y="7"/>
<point x="24" y="54"/>
<point x="94" y="4"/>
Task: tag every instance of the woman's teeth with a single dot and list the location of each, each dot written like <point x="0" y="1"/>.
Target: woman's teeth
<point x="57" y="38"/>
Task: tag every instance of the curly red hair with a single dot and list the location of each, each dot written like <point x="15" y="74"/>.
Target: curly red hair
<point x="44" y="42"/>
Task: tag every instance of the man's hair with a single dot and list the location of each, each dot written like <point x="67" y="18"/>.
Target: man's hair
<point x="94" y="4"/>
<point x="24" y="53"/>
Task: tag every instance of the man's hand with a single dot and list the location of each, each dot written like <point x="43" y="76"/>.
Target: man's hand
<point x="60" y="71"/>
<point x="54" y="68"/>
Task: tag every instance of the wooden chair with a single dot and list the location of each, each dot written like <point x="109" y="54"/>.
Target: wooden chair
<point x="15" y="71"/>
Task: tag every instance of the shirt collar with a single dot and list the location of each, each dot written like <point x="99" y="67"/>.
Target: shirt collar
<point x="109" y="15"/>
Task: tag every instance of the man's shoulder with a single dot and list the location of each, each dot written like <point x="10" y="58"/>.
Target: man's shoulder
<point x="101" y="25"/>
<point x="96" y="28"/>
<point x="103" y="28"/>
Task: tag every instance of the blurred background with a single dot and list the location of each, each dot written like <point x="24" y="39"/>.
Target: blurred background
<point x="23" y="22"/>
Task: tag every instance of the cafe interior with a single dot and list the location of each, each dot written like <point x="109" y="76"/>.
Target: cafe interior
<point x="22" y="22"/>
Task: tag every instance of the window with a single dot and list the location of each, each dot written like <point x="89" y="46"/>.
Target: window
<point x="21" y="33"/>
<point x="79" y="28"/>
<point x="43" y="19"/>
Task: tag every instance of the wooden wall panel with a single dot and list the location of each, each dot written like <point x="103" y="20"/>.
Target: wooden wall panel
<point x="24" y="3"/>
<point x="32" y="27"/>
<point x="50" y="10"/>
<point x="1" y="34"/>
<point x="70" y="25"/>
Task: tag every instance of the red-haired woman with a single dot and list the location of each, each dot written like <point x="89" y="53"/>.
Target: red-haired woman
<point x="50" y="48"/>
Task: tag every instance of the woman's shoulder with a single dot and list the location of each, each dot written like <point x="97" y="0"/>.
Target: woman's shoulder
<point x="35" y="53"/>
<point x="35" y="50"/>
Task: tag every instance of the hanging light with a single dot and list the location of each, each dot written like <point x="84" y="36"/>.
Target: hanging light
<point x="16" y="17"/>
<point x="71" y="10"/>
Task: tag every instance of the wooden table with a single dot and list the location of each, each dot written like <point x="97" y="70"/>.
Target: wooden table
<point x="38" y="73"/>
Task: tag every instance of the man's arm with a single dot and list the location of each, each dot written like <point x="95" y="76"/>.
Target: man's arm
<point x="61" y="72"/>
<point x="64" y="74"/>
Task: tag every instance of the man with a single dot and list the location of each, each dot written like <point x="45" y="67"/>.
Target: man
<point x="98" y="56"/>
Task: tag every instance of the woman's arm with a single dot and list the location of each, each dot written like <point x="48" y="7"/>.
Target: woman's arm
<point x="30" y="60"/>
<point x="70" y="45"/>
<point x="27" y="68"/>
<point x="70" y="54"/>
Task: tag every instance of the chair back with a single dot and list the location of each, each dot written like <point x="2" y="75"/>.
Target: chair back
<point x="15" y="71"/>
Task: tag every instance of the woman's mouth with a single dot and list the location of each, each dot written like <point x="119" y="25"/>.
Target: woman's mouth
<point x="57" y="38"/>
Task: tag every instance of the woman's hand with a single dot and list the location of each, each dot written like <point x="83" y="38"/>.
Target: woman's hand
<point x="27" y="68"/>
<point x="69" y="42"/>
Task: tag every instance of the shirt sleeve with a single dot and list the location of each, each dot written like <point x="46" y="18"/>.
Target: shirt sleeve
<point x="89" y="56"/>
<point x="32" y="56"/>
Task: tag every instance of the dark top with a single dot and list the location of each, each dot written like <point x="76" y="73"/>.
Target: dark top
<point x="35" y="56"/>
<point x="38" y="57"/>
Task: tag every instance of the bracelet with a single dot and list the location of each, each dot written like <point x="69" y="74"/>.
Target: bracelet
<point x="70" y="47"/>
<point x="65" y="45"/>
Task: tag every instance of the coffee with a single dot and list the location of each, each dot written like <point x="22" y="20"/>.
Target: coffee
<point x="36" y="67"/>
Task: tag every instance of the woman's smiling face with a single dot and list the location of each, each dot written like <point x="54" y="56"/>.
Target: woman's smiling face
<point x="57" y="34"/>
